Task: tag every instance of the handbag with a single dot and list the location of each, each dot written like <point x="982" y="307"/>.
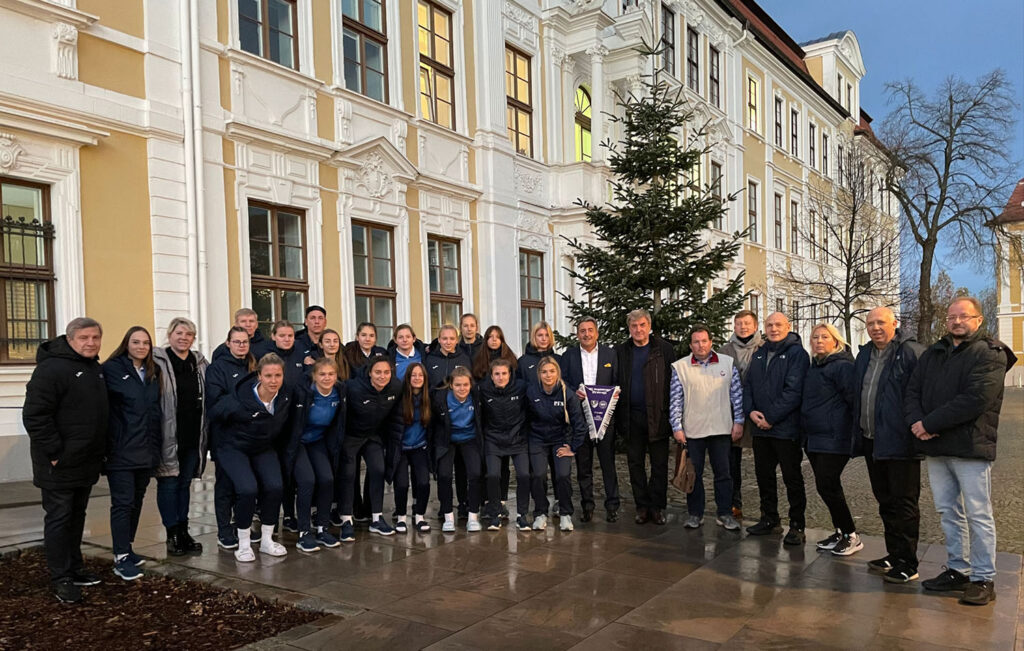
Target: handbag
<point x="685" y="476"/>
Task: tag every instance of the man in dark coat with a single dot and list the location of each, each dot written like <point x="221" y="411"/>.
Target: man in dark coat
<point x="772" y="393"/>
<point x="593" y="364"/>
<point x="644" y="363"/>
<point x="880" y="377"/>
<point x="307" y="340"/>
<point x="259" y="346"/>
<point x="952" y="407"/>
<point x="65" y="415"/>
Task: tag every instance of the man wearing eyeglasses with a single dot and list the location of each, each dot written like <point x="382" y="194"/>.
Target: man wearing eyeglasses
<point x="952" y="407"/>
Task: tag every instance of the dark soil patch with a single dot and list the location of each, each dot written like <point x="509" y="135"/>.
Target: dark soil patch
<point x="154" y="612"/>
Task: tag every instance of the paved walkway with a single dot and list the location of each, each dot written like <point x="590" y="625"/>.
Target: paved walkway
<point x="605" y="585"/>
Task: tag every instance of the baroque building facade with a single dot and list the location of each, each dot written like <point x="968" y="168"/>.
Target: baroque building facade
<point x="392" y="160"/>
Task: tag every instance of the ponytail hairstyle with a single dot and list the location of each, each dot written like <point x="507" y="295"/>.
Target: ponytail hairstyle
<point x="344" y="370"/>
<point x="270" y="359"/>
<point x="408" y="396"/>
<point x="152" y="370"/>
<point x="322" y="362"/>
<point x="281" y="324"/>
<point x="551" y="361"/>
<point x="250" y="359"/>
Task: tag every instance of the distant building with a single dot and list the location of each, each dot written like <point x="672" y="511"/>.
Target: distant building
<point x="1009" y="282"/>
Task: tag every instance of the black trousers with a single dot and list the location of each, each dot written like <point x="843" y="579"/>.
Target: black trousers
<point x="828" y="470"/>
<point x="648" y="492"/>
<point x="462" y="481"/>
<point x="414" y="461"/>
<point x="373" y="452"/>
<point x="497" y="469"/>
<point x="127" y="492"/>
<point x="541" y="457"/>
<point x="63" y="522"/>
<point x="769" y="454"/>
<point x="360" y="504"/>
<point x="585" y="471"/>
<point x="446" y="465"/>
<point x="223" y="501"/>
<point x="896" y="484"/>
<point x="736" y="472"/>
<point x="253" y="475"/>
<point x="314" y="478"/>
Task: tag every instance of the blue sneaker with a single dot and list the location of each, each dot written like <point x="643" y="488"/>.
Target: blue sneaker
<point x="325" y="539"/>
<point x="381" y="527"/>
<point x="136" y="560"/>
<point x="228" y="541"/>
<point x="125" y="569"/>
<point x="291" y="525"/>
<point x="307" y="543"/>
<point x="348" y="532"/>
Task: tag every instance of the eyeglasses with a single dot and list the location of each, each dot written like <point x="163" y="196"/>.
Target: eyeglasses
<point x="957" y="318"/>
<point x="236" y="342"/>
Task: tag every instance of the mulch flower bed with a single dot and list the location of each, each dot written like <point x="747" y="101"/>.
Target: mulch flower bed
<point x="154" y="612"/>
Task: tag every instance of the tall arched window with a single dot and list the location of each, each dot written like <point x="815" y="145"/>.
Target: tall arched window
<point x="582" y="124"/>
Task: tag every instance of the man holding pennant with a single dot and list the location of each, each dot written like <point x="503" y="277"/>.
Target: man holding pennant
<point x="591" y="369"/>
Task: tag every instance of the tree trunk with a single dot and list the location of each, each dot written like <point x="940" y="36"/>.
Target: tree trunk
<point x="925" y="307"/>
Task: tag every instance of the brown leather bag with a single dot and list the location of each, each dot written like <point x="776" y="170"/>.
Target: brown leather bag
<point x="685" y="476"/>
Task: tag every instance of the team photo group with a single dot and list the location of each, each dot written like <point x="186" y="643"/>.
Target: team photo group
<point x="305" y="431"/>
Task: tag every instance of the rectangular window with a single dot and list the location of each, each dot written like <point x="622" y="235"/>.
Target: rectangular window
<point x="796" y="315"/>
<point x="716" y="190"/>
<point x="778" y="122"/>
<point x="668" y="40"/>
<point x="365" y="45"/>
<point x="277" y="262"/>
<point x="839" y="88"/>
<point x="437" y="64"/>
<point x="780" y="305"/>
<point x="755" y="305"/>
<point x="752" y="104"/>
<point x="445" y="283"/>
<point x="373" y="270"/>
<point x="778" y="221"/>
<point x="531" y="292"/>
<point x="519" y="101"/>
<point x="752" y="210"/>
<point x="812" y="139"/>
<point x="693" y="59"/>
<point x="794" y="231"/>
<point x="812" y="238"/>
<point x="714" y="78"/>
<point x="839" y="165"/>
<point x="269" y="29"/>
<point x="849" y="99"/>
<point x="26" y="270"/>
<point x="794" y="133"/>
<point x="825" y="237"/>
<point x="824" y="154"/>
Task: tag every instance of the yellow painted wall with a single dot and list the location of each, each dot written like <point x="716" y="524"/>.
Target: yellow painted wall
<point x="232" y="229"/>
<point x="126" y="16"/>
<point x="331" y="246"/>
<point x="475" y="266"/>
<point x="323" y="64"/>
<point x="814" y="66"/>
<point x="408" y="34"/>
<point x="224" y="77"/>
<point x="111" y="66"/>
<point x="471" y="120"/>
<point x="325" y="117"/>
<point x="223" y="21"/>
<point x="1018" y="338"/>
<point x="116" y="235"/>
<point x="756" y="264"/>
<point x="420" y="321"/>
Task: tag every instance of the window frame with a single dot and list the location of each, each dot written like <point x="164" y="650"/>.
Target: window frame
<point x="275" y="282"/>
<point x="717" y="179"/>
<point x="753" y="105"/>
<point x="436" y="67"/>
<point x="668" y="40"/>
<point x="794" y="133"/>
<point x="714" y="76"/>
<point x="516" y="104"/>
<point x="824" y="153"/>
<point x="441" y="296"/>
<point x="752" y="207"/>
<point x="812" y="150"/>
<point x="264" y="31"/>
<point x="584" y="123"/>
<point x="529" y="303"/>
<point x="794" y="228"/>
<point x="693" y="59"/>
<point x="364" y="32"/>
<point x="374" y="291"/>
<point x="779" y="106"/>
<point x="840" y="169"/>
<point x="777" y="206"/>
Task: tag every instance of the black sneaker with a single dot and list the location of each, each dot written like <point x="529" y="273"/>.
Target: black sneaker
<point x="82" y="577"/>
<point x="256" y="533"/>
<point x="66" y="591"/>
<point x="503" y="514"/>
<point x="794" y="536"/>
<point x="136" y="560"/>
<point x="880" y="565"/>
<point x="335" y="518"/>
<point x="522" y="523"/>
<point x="902" y="573"/>
<point x="848" y="546"/>
<point x="948" y="581"/>
<point x="979" y="593"/>
<point x="307" y="543"/>
<point x="588" y="514"/>
<point x="348" y="532"/>
<point x="463" y="513"/>
<point x="291" y="525"/>
<point x="495" y="524"/>
<point x="763" y="528"/>
<point x="828" y="544"/>
<point x="611" y="515"/>
<point x="401" y="526"/>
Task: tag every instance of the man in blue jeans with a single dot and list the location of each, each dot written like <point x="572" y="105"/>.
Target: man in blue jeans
<point x="709" y="384"/>
<point x="952" y="406"/>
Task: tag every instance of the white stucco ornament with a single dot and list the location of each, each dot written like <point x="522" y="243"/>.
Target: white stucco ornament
<point x="10" y="151"/>
<point x="374" y="177"/>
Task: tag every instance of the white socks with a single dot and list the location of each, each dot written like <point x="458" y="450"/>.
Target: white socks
<point x="402" y="518"/>
<point x="377" y="516"/>
<point x="267" y="544"/>
<point x="346" y="518"/>
<point x="416" y="518"/>
<point x="244" y="553"/>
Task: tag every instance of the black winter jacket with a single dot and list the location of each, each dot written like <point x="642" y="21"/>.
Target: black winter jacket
<point x="134" y="435"/>
<point x="244" y="424"/>
<point x="295" y="371"/>
<point x="222" y="375"/>
<point x="472" y="349"/>
<point x="957" y="392"/>
<point x="657" y="382"/>
<point x="893" y="439"/>
<point x="357" y="361"/>
<point x="776" y="388"/>
<point x="504" y="417"/>
<point x="65" y="415"/>
<point x="440" y="365"/>
<point x="547" y="417"/>
<point x="333" y="435"/>
<point x="306" y="346"/>
<point x="258" y="347"/>
<point x="373" y="414"/>
<point x="826" y="410"/>
<point x="527" y="369"/>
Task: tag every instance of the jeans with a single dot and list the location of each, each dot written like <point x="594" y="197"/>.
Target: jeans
<point x="172" y="493"/>
<point x="416" y="462"/>
<point x="497" y="467"/>
<point x="718" y="449"/>
<point x="371" y="450"/>
<point x="473" y="459"/>
<point x="770" y="453"/>
<point x="896" y="484"/>
<point x="127" y="491"/>
<point x="313" y="478"/>
<point x="585" y="471"/>
<point x="63" y="522"/>
<point x="828" y="470"/>
<point x="648" y="492"/>
<point x="541" y="456"/>
<point x="962" y="490"/>
<point x="252" y="475"/>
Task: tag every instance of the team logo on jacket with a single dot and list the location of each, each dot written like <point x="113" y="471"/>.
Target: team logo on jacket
<point x="235" y="375"/>
<point x="391" y="397"/>
<point x="558" y="403"/>
<point x="126" y="377"/>
<point x="333" y="404"/>
<point x="79" y="374"/>
<point x="255" y="414"/>
<point x="366" y="402"/>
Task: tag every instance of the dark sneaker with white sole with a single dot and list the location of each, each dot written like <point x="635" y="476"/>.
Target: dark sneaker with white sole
<point x="291" y="525"/>
<point x="326" y="539"/>
<point x="979" y="593"/>
<point x="66" y="591"/>
<point x="348" y="532"/>
<point x="848" y="545"/>
<point x="307" y="543"/>
<point x="829" y="543"/>
<point x="381" y="527"/>
<point x="880" y="565"/>
<point x="795" y="536"/>
<point x="127" y="570"/>
<point x="902" y="573"/>
<point x="948" y="581"/>
<point x="85" y="578"/>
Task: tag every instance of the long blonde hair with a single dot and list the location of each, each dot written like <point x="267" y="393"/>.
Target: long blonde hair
<point x="551" y="335"/>
<point x="549" y="360"/>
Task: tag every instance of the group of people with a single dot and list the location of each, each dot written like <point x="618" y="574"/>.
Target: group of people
<point x="290" y="421"/>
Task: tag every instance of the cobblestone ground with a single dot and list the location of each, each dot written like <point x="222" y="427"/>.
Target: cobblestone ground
<point x="1007" y="488"/>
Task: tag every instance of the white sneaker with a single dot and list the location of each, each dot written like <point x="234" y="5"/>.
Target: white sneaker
<point x="540" y="523"/>
<point x="473" y="522"/>
<point x="565" y="522"/>
<point x="449" y="523"/>
<point x="267" y="543"/>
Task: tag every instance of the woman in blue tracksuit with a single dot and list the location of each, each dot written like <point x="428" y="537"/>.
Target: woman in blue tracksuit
<point x="503" y="403"/>
<point x="557" y="430"/>
<point x="415" y="455"/>
<point x="457" y="428"/>
<point x="826" y="412"/>
<point x="133" y="441"/>
<point x="318" y="426"/>
<point x="250" y="423"/>
<point x="283" y="335"/>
